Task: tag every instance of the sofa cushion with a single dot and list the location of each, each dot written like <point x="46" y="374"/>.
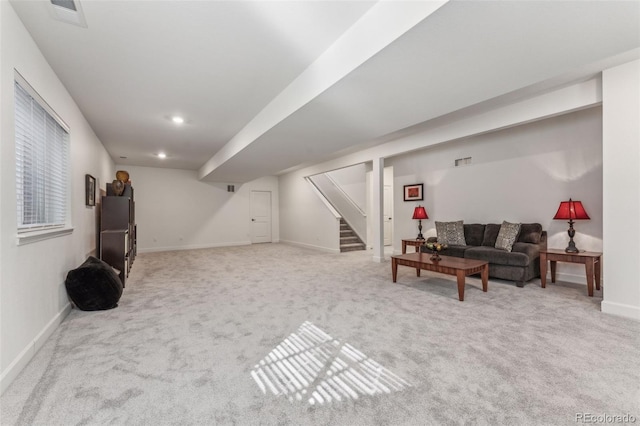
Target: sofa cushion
<point x="497" y="256"/>
<point x="454" y="251"/>
<point x="507" y="236"/>
<point x="450" y="233"/>
<point x="473" y="234"/>
<point x="530" y="233"/>
<point x="490" y="234"/>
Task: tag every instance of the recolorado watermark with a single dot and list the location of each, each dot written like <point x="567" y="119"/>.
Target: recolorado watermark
<point x="605" y="418"/>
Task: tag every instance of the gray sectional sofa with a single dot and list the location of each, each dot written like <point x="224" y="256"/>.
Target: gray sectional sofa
<point x="521" y="264"/>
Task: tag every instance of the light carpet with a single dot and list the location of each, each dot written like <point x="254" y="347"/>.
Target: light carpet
<point x="192" y="327"/>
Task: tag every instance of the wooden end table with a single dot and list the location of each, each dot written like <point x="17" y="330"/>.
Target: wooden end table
<point x="592" y="262"/>
<point x="456" y="266"/>
<point x="416" y="243"/>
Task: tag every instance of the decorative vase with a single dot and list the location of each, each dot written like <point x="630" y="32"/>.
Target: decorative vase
<point x="118" y="187"/>
<point x="122" y="175"/>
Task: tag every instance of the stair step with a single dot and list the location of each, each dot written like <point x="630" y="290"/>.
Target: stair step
<point x="348" y="240"/>
<point x="351" y="247"/>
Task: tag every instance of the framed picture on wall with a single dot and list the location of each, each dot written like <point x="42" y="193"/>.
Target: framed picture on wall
<point x="90" y="189"/>
<point x="413" y="192"/>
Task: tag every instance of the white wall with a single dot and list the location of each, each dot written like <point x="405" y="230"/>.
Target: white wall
<point x="33" y="299"/>
<point x="518" y="174"/>
<point x="621" y="140"/>
<point x="352" y="180"/>
<point x="176" y="211"/>
<point x="304" y="218"/>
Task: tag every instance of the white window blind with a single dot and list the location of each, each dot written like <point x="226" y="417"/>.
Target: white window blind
<point x="42" y="145"/>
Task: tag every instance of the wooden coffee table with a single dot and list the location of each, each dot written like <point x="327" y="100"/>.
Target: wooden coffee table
<point x="456" y="266"/>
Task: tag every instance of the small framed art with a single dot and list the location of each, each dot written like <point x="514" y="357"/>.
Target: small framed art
<point x="90" y="189"/>
<point x="413" y="192"/>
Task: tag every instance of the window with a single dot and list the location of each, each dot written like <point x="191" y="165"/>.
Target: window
<point x="42" y="156"/>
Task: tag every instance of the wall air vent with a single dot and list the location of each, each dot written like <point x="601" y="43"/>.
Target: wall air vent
<point x="69" y="11"/>
<point x="463" y="161"/>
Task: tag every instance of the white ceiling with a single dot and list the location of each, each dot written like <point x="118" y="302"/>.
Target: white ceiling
<point x="220" y="63"/>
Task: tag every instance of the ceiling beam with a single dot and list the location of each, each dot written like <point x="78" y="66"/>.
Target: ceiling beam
<point x="385" y="22"/>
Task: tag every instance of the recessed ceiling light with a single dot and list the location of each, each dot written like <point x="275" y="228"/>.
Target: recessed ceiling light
<point x="162" y="155"/>
<point x="177" y="120"/>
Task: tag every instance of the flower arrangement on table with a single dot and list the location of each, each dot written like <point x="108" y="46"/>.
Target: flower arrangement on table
<point x="435" y="248"/>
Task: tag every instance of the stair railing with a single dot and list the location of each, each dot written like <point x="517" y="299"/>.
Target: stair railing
<point x="340" y="202"/>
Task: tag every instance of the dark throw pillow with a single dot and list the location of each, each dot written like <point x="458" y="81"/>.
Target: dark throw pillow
<point x="490" y="234"/>
<point x="473" y="234"/>
<point x="530" y="233"/>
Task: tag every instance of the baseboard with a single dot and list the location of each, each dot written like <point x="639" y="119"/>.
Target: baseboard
<point x="621" y="310"/>
<point x="571" y="278"/>
<point x="192" y="247"/>
<point x="311" y="246"/>
<point x="21" y="361"/>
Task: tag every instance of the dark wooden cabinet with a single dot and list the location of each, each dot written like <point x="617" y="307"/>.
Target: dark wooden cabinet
<point x="118" y="244"/>
<point x="115" y="251"/>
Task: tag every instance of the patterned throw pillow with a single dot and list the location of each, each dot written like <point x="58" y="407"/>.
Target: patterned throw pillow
<point x="507" y="235"/>
<point x="451" y="233"/>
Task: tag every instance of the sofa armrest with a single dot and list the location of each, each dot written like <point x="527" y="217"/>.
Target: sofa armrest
<point x="432" y="239"/>
<point x="530" y="249"/>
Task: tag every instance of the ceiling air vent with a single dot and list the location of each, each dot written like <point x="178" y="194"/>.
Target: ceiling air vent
<point x="68" y="11"/>
<point x="67" y="4"/>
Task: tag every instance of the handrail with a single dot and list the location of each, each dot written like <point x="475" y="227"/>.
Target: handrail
<point x="323" y="198"/>
<point x="339" y="203"/>
<point x="345" y="194"/>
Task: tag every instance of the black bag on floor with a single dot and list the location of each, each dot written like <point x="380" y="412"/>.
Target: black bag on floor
<point x="94" y="286"/>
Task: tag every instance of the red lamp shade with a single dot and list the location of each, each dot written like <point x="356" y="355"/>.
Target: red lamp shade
<point x="571" y="210"/>
<point x="420" y="213"/>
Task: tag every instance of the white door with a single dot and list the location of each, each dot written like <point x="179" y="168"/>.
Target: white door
<point x="387" y="203"/>
<point x="260" y="217"/>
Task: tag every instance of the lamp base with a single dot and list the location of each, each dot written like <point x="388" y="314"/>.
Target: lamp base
<point x="571" y="248"/>
<point x="420" y="237"/>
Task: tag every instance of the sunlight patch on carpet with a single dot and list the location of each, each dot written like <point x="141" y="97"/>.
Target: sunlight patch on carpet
<point x="313" y="366"/>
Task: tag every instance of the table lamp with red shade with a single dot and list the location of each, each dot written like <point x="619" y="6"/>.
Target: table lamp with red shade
<point x="571" y="210"/>
<point x="420" y="213"/>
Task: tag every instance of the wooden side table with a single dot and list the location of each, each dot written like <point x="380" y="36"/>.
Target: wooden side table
<point x="416" y="243"/>
<point x="591" y="260"/>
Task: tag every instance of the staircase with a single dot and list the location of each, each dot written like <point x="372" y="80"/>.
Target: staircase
<point x="349" y="241"/>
